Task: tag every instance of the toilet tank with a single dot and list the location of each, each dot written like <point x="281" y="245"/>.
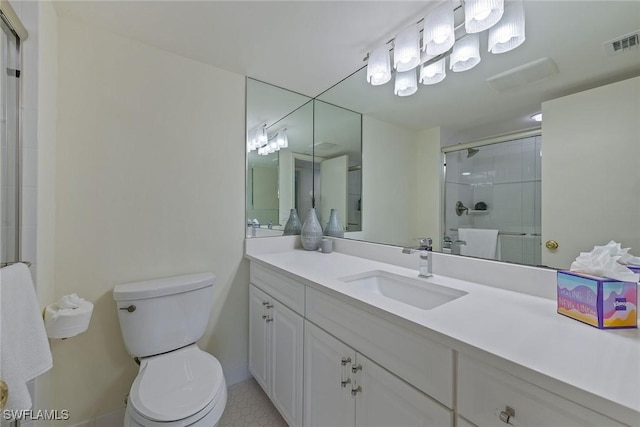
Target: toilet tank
<point x="161" y="315"/>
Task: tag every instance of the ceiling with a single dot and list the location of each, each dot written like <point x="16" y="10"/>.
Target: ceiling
<point x="308" y="46"/>
<point x="304" y="46"/>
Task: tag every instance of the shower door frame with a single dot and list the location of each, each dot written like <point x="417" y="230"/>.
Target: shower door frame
<point x="13" y="64"/>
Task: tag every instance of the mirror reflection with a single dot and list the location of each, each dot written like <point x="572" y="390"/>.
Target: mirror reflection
<point x="571" y="181"/>
<point x="566" y="64"/>
<point x="302" y="153"/>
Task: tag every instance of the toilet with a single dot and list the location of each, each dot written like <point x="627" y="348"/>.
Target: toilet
<point x="177" y="384"/>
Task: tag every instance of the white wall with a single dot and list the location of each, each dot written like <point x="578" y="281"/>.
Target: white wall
<point x="150" y="183"/>
<point x="388" y="182"/>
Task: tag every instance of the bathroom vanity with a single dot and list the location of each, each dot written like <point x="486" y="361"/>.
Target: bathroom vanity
<point x="339" y="340"/>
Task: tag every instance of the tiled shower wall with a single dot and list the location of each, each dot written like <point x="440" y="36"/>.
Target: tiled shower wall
<point x="507" y="177"/>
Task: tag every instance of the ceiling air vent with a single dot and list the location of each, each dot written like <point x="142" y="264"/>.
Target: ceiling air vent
<point x="623" y="43"/>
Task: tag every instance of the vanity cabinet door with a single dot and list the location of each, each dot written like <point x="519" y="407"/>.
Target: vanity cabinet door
<point x="384" y="400"/>
<point x="259" y="337"/>
<point x="327" y="380"/>
<point x="287" y="336"/>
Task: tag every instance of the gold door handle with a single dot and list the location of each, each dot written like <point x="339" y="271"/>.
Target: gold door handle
<point x="4" y="394"/>
<point x="552" y="245"/>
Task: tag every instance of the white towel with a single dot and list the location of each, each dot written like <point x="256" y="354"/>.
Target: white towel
<point x="24" y="348"/>
<point x="480" y="243"/>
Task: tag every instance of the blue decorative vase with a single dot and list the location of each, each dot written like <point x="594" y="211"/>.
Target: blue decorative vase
<point x="334" y="228"/>
<point x="293" y="226"/>
<point x="311" y="234"/>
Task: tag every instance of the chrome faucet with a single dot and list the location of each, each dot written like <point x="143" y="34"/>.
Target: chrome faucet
<point x="425" y="250"/>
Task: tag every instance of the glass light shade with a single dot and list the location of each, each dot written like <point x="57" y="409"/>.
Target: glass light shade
<point x="508" y="34"/>
<point x="261" y="136"/>
<point x="406" y="49"/>
<point x="406" y="83"/>
<point x="282" y="140"/>
<point x="273" y="146"/>
<point x="438" y="35"/>
<point x="433" y="73"/>
<point x="466" y="53"/>
<point x="379" y="66"/>
<point x="480" y="15"/>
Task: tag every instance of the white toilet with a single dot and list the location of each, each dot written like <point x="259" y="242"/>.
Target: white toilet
<point x="177" y="384"/>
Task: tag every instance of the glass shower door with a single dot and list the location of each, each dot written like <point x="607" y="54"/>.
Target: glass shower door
<point x="495" y="187"/>
<point x="9" y="147"/>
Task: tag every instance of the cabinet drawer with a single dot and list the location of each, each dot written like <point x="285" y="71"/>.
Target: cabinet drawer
<point x="286" y="290"/>
<point x="484" y="391"/>
<point x="425" y="364"/>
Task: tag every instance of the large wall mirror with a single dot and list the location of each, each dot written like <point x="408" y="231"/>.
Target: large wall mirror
<point x="573" y="180"/>
<point x="301" y="153"/>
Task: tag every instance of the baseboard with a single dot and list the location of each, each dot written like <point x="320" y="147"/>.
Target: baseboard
<point x="237" y="374"/>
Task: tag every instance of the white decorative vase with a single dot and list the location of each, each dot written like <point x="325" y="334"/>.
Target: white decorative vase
<point x="334" y="228"/>
<point x="293" y="225"/>
<point x="311" y="234"/>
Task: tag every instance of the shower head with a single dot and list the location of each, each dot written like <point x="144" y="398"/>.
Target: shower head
<point x="472" y="152"/>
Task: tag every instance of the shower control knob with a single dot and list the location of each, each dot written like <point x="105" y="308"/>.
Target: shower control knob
<point x="552" y="245"/>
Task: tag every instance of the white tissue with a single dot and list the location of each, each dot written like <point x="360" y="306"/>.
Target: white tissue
<point x="67" y="317"/>
<point x="605" y="261"/>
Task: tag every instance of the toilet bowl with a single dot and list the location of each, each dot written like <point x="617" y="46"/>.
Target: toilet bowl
<point x="185" y="387"/>
<point x="178" y="384"/>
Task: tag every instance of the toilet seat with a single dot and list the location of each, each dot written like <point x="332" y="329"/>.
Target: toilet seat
<point x="173" y="387"/>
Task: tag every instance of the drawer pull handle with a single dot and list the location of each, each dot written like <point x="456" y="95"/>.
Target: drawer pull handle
<point x="269" y="319"/>
<point x="345" y="360"/>
<point x="345" y="382"/>
<point x="355" y="391"/>
<point x="507" y="416"/>
<point x="356" y="368"/>
<point x="268" y="306"/>
<point x="265" y="302"/>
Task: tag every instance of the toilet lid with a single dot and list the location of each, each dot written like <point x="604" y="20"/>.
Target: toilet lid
<point x="176" y="385"/>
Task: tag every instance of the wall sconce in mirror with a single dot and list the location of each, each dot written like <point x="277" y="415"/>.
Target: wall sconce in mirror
<point x="506" y="31"/>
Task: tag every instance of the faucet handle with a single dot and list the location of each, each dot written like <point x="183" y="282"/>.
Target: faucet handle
<point x="425" y="243"/>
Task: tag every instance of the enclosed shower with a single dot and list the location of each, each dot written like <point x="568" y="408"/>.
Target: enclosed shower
<point x="496" y="187"/>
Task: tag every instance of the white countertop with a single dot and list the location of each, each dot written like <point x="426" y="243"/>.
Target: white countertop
<point x="522" y="329"/>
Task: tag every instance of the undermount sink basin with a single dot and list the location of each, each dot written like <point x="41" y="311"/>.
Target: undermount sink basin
<point x="415" y="292"/>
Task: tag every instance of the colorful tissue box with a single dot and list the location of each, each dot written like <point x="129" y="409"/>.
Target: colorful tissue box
<point x="634" y="268"/>
<point x="596" y="301"/>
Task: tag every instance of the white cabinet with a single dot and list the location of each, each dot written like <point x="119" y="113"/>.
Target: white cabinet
<point x="276" y="336"/>
<point x="345" y="388"/>
<point x="484" y="393"/>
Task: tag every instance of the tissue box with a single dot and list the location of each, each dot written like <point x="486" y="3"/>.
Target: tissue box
<point x="634" y="268"/>
<point x="596" y="301"/>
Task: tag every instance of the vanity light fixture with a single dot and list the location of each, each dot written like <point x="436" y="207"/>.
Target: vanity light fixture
<point x="259" y="140"/>
<point x="508" y="34"/>
<point x="439" y="41"/>
<point x="406" y="83"/>
<point x="480" y="15"/>
<point x="379" y="66"/>
<point x="466" y="54"/>
<point x="282" y="139"/>
<point x="536" y="117"/>
<point x="433" y="73"/>
<point x="439" y="33"/>
<point x="406" y="49"/>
